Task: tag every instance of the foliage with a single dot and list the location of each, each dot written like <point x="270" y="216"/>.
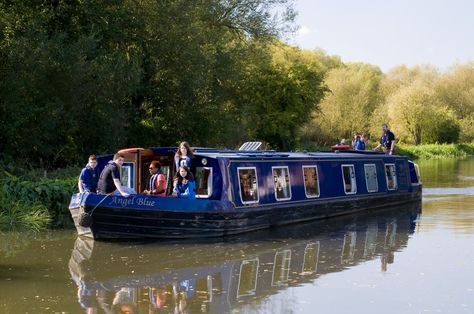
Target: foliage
<point x="437" y="151"/>
<point x="39" y="199"/>
<point x="81" y="77"/>
<point x="352" y="98"/>
<point x="16" y="213"/>
<point x="281" y="94"/>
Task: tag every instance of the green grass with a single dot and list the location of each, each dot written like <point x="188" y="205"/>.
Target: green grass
<point x="437" y="151"/>
<point x="35" y="205"/>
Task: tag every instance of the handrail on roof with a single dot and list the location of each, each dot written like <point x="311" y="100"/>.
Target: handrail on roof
<point x="250" y="146"/>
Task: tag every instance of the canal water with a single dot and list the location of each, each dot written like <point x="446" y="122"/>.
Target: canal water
<point x="413" y="259"/>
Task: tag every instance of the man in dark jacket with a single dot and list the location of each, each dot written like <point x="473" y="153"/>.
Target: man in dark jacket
<point x="387" y="141"/>
<point x="109" y="180"/>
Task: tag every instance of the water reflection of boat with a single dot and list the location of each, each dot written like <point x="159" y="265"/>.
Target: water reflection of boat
<point x="219" y="277"/>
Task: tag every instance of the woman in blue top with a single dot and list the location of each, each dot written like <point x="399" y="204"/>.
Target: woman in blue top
<point x="183" y="155"/>
<point x="184" y="184"/>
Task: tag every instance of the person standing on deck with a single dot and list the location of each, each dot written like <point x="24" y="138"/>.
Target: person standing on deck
<point x="109" y="180"/>
<point x="183" y="155"/>
<point x="387" y="141"/>
<point x="157" y="182"/>
<point x="361" y="143"/>
<point x="89" y="177"/>
<point x="357" y="137"/>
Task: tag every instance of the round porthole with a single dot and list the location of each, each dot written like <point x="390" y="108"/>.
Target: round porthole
<point x="204" y="161"/>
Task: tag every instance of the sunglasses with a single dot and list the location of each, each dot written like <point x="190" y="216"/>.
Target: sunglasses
<point x="151" y="168"/>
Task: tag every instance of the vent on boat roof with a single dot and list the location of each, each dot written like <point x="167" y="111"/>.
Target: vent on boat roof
<point x="250" y="146"/>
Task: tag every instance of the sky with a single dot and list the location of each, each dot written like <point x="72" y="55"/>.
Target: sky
<point x="388" y="33"/>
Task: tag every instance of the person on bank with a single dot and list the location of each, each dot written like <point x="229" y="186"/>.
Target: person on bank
<point x="89" y="176"/>
<point x="183" y="156"/>
<point x="109" y="180"/>
<point x="361" y="143"/>
<point x="387" y="140"/>
<point x="157" y="182"/>
<point x="184" y="185"/>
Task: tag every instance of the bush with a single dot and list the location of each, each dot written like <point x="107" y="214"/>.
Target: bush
<point x="437" y="151"/>
<point x="29" y="200"/>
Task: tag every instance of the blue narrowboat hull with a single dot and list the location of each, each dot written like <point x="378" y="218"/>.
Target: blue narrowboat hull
<point x="140" y="216"/>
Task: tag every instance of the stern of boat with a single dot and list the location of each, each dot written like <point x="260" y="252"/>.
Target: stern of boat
<point x="76" y="208"/>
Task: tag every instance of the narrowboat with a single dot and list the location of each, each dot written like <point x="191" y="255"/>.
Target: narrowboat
<point x="244" y="190"/>
<point x="227" y="277"/>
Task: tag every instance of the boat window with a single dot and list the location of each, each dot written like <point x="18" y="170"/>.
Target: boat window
<point x="311" y="181"/>
<point x="310" y="258"/>
<point x="248" y="277"/>
<point x="348" y="248"/>
<point x="348" y="175"/>
<point x="281" y="267"/>
<point x="126" y="174"/>
<point x="391" y="176"/>
<point x="371" y="240"/>
<point x="371" y="178"/>
<point x="203" y="179"/>
<point x="282" y="186"/>
<point x="248" y="185"/>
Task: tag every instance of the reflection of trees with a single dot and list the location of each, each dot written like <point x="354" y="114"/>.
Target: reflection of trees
<point x="442" y="172"/>
<point x="455" y="211"/>
<point x="13" y="242"/>
<point x="17" y="241"/>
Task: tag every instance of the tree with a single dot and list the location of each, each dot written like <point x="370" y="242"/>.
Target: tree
<point x="93" y="76"/>
<point x="281" y="90"/>
<point x="456" y="89"/>
<point x="348" y="106"/>
<point x="417" y="116"/>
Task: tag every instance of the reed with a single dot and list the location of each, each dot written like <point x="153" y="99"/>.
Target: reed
<point x="35" y="204"/>
<point x="22" y="215"/>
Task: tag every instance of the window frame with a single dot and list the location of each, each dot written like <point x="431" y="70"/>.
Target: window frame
<point x="240" y="187"/>
<point x="394" y="175"/>
<point x="317" y="179"/>
<point x="376" y="178"/>
<point x="289" y="183"/>
<point x="209" y="183"/>
<point x="353" y="179"/>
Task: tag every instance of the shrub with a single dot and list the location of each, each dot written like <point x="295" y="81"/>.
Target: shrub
<point x="34" y="198"/>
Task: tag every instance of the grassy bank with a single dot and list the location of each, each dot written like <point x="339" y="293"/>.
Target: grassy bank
<point x="437" y="151"/>
<point x="36" y="204"/>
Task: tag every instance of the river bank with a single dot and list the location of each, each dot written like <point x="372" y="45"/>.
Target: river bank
<point x="35" y="204"/>
<point x="437" y="151"/>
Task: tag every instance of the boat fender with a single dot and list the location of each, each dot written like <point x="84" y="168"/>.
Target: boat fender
<point x="85" y="219"/>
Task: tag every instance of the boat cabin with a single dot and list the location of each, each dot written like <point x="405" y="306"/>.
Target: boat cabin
<point x="268" y="177"/>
